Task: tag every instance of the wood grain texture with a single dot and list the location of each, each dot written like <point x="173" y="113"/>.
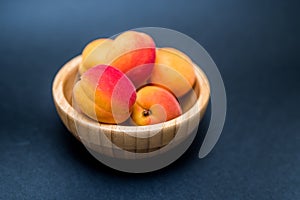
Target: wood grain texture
<point x="112" y="140"/>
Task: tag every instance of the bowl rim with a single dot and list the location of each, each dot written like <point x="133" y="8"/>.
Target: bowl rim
<point x="61" y="101"/>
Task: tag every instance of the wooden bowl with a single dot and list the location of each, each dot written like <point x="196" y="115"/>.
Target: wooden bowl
<point x="129" y="142"/>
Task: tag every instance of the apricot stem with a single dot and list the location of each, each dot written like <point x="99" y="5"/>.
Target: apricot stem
<point x="146" y="113"/>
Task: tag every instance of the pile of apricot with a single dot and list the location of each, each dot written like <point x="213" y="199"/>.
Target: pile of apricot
<point x="130" y="79"/>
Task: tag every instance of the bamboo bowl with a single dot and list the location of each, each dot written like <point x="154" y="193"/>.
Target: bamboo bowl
<point x="129" y="142"/>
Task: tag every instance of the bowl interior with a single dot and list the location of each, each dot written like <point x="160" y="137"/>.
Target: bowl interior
<point x="68" y="76"/>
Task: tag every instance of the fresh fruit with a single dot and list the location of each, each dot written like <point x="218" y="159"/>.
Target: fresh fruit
<point x="154" y="105"/>
<point x="173" y="70"/>
<point x="105" y="94"/>
<point x="131" y="52"/>
<point x="94" y="54"/>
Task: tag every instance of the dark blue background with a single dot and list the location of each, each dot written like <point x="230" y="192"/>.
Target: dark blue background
<point x="256" y="47"/>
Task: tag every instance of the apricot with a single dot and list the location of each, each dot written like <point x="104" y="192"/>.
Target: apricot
<point x="174" y="70"/>
<point x="134" y="54"/>
<point x="105" y="94"/>
<point x="131" y="52"/>
<point x="154" y="105"/>
<point x="94" y="54"/>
